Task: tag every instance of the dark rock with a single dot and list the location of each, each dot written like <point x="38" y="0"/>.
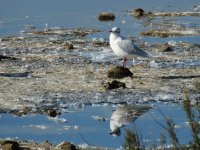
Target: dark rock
<point x="165" y="48"/>
<point x="119" y="72"/>
<point x="106" y="17"/>
<point x="68" y="46"/>
<point x="66" y="146"/>
<point x="52" y="112"/>
<point x="10" y="145"/>
<point x="138" y="12"/>
<point x="114" y="85"/>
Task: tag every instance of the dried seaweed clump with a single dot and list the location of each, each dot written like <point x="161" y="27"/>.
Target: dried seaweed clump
<point x="119" y="72"/>
<point x="138" y="12"/>
<point x="82" y="32"/>
<point x="114" y="85"/>
<point x="160" y="33"/>
<point x="196" y="84"/>
<point x="163" y="47"/>
<point x="106" y="17"/>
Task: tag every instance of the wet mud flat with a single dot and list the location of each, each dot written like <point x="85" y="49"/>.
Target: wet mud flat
<point x="59" y="68"/>
<point x="40" y="73"/>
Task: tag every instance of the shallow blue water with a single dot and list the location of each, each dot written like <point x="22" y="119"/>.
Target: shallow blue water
<point x="16" y="15"/>
<point x="80" y="127"/>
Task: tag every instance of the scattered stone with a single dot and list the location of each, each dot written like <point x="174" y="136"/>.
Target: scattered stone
<point x="52" y="112"/>
<point x="10" y="145"/>
<point x="119" y="72"/>
<point x="68" y="46"/>
<point x="114" y="85"/>
<point x="66" y="146"/>
<point x="165" y="48"/>
<point x="138" y="12"/>
<point x="106" y="17"/>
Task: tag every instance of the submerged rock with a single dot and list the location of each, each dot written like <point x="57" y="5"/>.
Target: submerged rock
<point x="52" y="113"/>
<point x="114" y="85"/>
<point x="138" y="12"/>
<point x="119" y="72"/>
<point x="106" y="17"/>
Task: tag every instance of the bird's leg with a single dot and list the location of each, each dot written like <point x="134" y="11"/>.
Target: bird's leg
<point x="125" y="62"/>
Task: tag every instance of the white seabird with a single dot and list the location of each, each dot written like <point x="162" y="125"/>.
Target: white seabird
<point x="124" y="48"/>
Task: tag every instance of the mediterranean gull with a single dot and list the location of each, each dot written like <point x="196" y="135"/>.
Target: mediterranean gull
<point x="124" y="48"/>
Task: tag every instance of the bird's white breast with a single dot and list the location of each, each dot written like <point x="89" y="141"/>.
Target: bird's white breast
<point x="114" y="44"/>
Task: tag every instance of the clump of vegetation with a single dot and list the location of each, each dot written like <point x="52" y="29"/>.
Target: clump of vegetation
<point x="196" y="84"/>
<point x="193" y="119"/>
<point x="132" y="142"/>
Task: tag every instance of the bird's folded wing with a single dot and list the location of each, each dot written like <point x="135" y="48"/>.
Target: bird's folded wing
<point x="129" y="47"/>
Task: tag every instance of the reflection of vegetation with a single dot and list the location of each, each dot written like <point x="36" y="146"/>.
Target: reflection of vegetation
<point x="193" y="122"/>
<point x="132" y="142"/>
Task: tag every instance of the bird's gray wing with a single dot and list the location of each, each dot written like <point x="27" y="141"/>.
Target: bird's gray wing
<point x="128" y="46"/>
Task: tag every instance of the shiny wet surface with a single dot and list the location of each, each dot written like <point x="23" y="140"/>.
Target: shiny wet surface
<point x="91" y="125"/>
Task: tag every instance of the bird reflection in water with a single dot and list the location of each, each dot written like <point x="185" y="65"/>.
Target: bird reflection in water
<point x="124" y="115"/>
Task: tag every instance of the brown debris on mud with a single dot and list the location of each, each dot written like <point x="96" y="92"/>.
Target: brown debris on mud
<point x="114" y="85"/>
<point x="43" y="75"/>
